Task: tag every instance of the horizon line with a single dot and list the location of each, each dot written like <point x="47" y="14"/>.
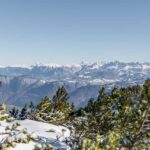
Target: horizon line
<point x="71" y="64"/>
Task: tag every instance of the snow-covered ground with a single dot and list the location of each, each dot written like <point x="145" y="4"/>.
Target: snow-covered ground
<point x="42" y="133"/>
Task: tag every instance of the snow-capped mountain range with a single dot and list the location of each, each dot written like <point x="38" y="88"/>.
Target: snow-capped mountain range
<point x="22" y="84"/>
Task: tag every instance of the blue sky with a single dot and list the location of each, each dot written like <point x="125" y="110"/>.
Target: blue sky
<point x="71" y="31"/>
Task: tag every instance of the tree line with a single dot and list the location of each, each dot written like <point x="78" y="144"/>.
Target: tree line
<point x="115" y="120"/>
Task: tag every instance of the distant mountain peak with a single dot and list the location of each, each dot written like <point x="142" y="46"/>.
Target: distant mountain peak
<point x="24" y="83"/>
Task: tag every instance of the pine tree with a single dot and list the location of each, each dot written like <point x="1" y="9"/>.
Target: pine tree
<point x="24" y="112"/>
<point x="90" y="106"/>
<point x="3" y="108"/>
<point x="32" y="107"/>
<point x="14" y="112"/>
<point x="45" y="105"/>
<point x="101" y="94"/>
<point x="60" y="100"/>
<point x="131" y="116"/>
<point x="73" y="108"/>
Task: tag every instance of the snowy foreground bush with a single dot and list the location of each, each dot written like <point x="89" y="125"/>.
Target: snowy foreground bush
<point x="32" y="135"/>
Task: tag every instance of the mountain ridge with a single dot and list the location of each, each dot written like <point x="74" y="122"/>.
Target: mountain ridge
<point x="23" y="84"/>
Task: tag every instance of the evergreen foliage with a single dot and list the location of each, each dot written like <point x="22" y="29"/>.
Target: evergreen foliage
<point x="14" y="112"/>
<point x="112" y="121"/>
<point x="57" y="110"/>
<point x="32" y="107"/>
<point x="45" y="105"/>
<point x="117" y="118"/>
<point x="24" y="112"/>
<point x="60" y="100"/>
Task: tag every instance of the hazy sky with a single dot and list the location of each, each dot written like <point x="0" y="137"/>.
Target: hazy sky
<point x="71" y="31"/>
